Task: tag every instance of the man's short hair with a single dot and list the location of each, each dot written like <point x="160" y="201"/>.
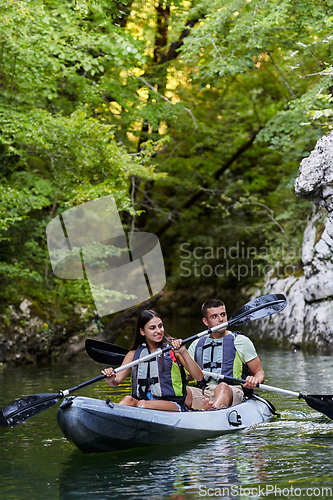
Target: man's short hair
<point x="209" y="304"/>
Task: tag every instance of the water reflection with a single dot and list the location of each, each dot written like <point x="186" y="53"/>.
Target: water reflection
<point x="160" y="472"/>
<point x="297" y="448"/>
<point x="222" y="467"/>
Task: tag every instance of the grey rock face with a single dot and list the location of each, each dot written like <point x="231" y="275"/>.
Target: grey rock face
<point x="315" y="179"/>
<point x="308" y="318"/>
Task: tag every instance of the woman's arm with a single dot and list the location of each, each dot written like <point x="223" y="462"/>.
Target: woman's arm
<point x="114" y="379"/>
<point x="185" y="359"/>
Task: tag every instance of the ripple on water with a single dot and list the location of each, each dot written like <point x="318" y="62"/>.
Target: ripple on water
<point x="294" y="449"/>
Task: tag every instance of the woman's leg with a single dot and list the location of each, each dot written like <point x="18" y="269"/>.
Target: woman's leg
<point x="158" y="405"/>
<point x="129" y="401"/>
<point x="189" y="398"/>
<point x="153" y="405"/>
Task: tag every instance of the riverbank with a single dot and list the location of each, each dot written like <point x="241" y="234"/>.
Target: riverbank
<point x="29" y="339"/>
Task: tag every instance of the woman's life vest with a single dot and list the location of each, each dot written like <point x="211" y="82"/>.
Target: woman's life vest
<point x="162" y="376"/>
<point x="220" y="356"/>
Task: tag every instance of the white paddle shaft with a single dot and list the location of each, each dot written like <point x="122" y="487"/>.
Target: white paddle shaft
<point x="160" y="351"/>
<point x="259" y="386"/>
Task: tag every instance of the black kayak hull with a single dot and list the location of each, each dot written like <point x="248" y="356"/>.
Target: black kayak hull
<point x="97" y="426"/>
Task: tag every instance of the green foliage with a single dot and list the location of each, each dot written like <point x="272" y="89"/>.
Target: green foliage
<point x="57" y="136"/>
<point x="94" y="101"/>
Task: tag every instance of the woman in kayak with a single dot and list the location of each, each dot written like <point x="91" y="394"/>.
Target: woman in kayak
<point x="158" y="383"/>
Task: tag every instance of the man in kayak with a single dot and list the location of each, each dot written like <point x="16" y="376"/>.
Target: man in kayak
<point x="226" y="353"/>
<point x="158" y="383"/>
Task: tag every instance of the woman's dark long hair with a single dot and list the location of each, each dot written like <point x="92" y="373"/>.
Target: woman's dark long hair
<point x="143" y="319"/>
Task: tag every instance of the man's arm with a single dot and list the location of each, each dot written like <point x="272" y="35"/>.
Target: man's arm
<point x="249" y="356"/>
<point x="258" y="375"/>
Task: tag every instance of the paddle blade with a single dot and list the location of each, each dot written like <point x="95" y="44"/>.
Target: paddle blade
<point x="20" y="410"/>
<point x="103" y="352"/>
<point x="323" y="404"/>
<point x="259" y="308"/>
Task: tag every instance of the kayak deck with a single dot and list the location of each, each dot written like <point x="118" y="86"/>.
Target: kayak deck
<point x="97" y="426"/>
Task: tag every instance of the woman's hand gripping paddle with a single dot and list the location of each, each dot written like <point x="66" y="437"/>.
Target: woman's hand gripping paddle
<point x="20" y="410"/>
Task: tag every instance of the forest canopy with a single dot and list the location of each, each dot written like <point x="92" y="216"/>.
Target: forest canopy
<point x="193" y="115"/>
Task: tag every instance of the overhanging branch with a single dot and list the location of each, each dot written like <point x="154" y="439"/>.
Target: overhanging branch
<point x="175" y="46"/>
<point x="198" y="194"/>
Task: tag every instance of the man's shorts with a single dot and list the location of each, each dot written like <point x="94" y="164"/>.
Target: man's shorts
<point x="198" y="395"/>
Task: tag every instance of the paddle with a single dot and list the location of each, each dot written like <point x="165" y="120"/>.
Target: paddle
<point x="111" y="354"/>
<point x="20" y="410"/>
<point x="323" y="404"/>
<point x="17" y="412"/>
<point x="103" y="352"/>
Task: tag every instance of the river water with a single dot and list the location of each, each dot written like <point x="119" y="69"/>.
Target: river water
<point x="289" y="457"/>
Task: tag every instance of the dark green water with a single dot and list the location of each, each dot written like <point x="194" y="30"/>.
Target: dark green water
<point x="284" y="457"/>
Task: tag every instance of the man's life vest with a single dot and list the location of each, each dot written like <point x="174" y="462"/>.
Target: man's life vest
<point x="220" y="356"/>
<point x="162" y="376"/>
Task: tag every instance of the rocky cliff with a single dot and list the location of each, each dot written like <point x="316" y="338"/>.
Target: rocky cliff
<point x="308" y="319"/>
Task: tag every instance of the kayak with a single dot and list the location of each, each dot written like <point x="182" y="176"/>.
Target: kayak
<point x="94" y="425"/>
